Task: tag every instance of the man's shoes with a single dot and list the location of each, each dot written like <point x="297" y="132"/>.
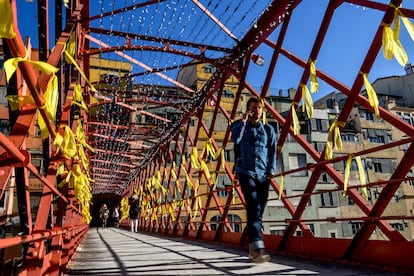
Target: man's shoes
<point x="259" y="256"/>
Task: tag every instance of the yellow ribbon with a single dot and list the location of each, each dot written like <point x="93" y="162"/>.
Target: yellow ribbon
<point x="78" y="98"/>
<point x="173" y="174"/>
<point x="334" y="139"/>
<point x="6" y="20"/>
<point x="307" y="103"/>
<point x="390" y="39"/>
<point x="10" y="66"/>
<point x="66" y="144"/>
<point x="372" y="96"/>
<point x="205" y="169"/>
<point x="264" y="119"/>
<point x="313" y="80"/>
<point x="214" y="178"/>
<point x="171" y="212"/>
<point x="124" y="208"/>
<point x="194" y="159"/>
<point x="407" y="23"/>
<point x="281" y="184"/>
<point x="209" y="148"/>
<point x="346" y="173"/>
<point x="362" y="178"/>
<point x="73" y="61"/>
<point x="51" y="103"/>
<point x="361" y="172"/>
<point x="295" y="120"/>
<point x="80" y="136"/>
<point x="392" y="45"/>
<point x="71" y="47"/>
<point x="60" y="169"/>
<point x="16" y="102"/>
<point x="189" y="183"/>
<point x="388" y="42"/>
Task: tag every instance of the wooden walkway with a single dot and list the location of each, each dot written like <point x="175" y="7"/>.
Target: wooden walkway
<point x="114" y="251"/>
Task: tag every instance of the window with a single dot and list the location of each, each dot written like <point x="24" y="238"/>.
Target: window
<point x="312" y="228"/>
<point x="277" y="230"/>
<point x="319" y="124"/>
<point x="378" y="136"/>
<point x="377" y="167"/>
<point x="234" y="220"/>
<point x="350" y="137"/>
<point x="383" y="165"/>
<point x="222" y="182"/>
<point x="355" y="226"/>
<point x="368" y="116"/>
<point x="397" y="226"/>
<point x="3" y="201"/>
<point x="111" y="79"/>
<point x="298" y="161"/>
<point x="208" y="68"/>
<point x="328" y="199"/>
<point x="227" y="94"/>
<point x="377" y="139"/>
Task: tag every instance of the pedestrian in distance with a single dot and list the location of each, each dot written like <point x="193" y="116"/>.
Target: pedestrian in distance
<point x="254" y="167"/>
<point x="104" y="214"/>
<point x="134" y="212"/>
<point x="115" y="215"/>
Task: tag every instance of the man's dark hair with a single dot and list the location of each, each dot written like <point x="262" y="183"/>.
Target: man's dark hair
<point x="252" y="100"/>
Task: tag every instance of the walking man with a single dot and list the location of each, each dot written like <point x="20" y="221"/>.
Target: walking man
<point x="255" y="166"/>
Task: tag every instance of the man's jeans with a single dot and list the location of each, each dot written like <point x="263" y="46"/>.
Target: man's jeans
<point x="255" y="193"/>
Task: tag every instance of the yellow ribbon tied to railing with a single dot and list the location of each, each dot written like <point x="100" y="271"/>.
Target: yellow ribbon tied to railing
<point x="6" y="20"/>
<point x="372" y="95"/>
<point x="362" y="178"/>
<point x="281" y="185"/>
<point x="66" y="144"/>
<point x="361" y="172"/>
<point x="407" y="23"/>
<point x="124" y="208"/>
<point x="188" y="180"/>
<point x="307" y="103"/>
<point x="295" y="120"/>
<point x="80" y="136"/>
<point x="171" y="212"/>
<point x="10" y="66"/>
<point x="205" y="169"/>
<point x="209" y="148"/>
<point x="73" y="61"/>
<point x="70" y="48"/>
<point x="264" y="118"/>
<point x="391" y="44"/>
<point x="173" y="174"/>
<point x="334" y="139"/>
<point x="313" y="80"/>
<point x="183" y="163"/>
<point x="194" y="159"/>
<point x="16" y="102"/>
<point x="78" y="98"/>
<point x="51" y="104"/>
<point x="346" y="173"/>
<point x="220" y="153"/>
<point x="60" y="169"/>
<point x="214" y="178"/>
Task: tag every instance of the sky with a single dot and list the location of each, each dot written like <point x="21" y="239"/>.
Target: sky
<point x="341" y="55"/>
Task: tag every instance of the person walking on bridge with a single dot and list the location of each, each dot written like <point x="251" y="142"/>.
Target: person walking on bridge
<point x="255" y="166"/>
<point x="134" y="212"/>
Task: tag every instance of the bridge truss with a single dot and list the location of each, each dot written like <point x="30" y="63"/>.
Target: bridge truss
<point x="139" y="125"/>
